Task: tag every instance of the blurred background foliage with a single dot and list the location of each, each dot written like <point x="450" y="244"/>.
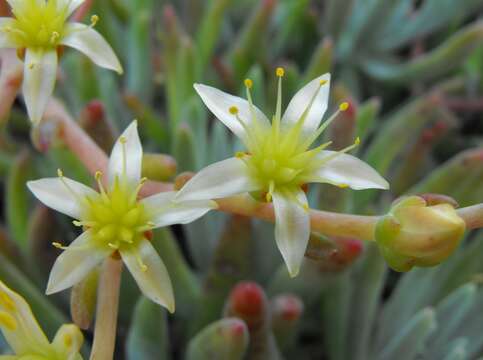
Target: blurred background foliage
<point x="413" y="74"/>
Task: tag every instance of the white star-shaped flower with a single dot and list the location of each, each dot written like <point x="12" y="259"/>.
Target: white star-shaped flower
<point x="279" y="160"/>
<point x="38" y="30"/>
<point x="115" y="221"/>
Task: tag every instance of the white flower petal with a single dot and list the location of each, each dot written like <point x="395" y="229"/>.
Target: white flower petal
<point x="54" y="193"/>
<point x="221" y="179"/>
<point x="27" y="337"/>
<point x="154" y="280"/>
<point x="301" y="101"/>
<point x="88" y="41"/>
<point x="70" y="5"/>
<point x="75" y="263"/>
<point x="219" y="104"/>
<point x="5" y="40"/>
<point x="40" y="70"/>
<point x="168" y="212"/>
<point x="348" y="170"/>
<point x="16" y="3"/>
<point x="292" y="228"/>
<point x="127" y="157"/>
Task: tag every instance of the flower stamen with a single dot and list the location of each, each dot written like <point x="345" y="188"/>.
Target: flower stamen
<point x="60" y="174"/>
<point x="123" y="141"/>
<point x="58" y="245"/>
<point x="356" y="143"/>
<point x="142" y="265"/>
<point x="94" y="20"/>
<point x="342" y="107"/>
<point x="54" y="37"/>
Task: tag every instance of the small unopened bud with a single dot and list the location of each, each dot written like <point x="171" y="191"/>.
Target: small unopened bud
<point x="287" y="309"/>
<point x="417" y="234"/>
<point x="334" y="254"/>
<point x="158" y="167"/>
<point x="224" y="339"/>
<point x="248" y="302"/>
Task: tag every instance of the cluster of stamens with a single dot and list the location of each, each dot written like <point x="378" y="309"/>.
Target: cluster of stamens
<point x="114" y="217"/>
<point x="278" y="156"/>
<point x="38" y="25"/>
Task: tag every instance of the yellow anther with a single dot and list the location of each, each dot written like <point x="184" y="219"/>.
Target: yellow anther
<point x="357" y="140"/>
<point x="8" y="321"/>
<point x="68" y="341"/>
<point x="248" y="83"/>
<point x="113" y="246"/>
<point x="94" y="20"/>
<point x="77" y="223"/>
<point x="141" y="264"/>
<point x="54" y="37"/>
<point x="98" y="175"/>
<point x="122" y="140"/>
<point x="268" y="197"/>
<point x="7" y="302"/>
<point x="59" y="246"/>
<point x="344" y="106"/>
<point x="280" y="71"/>
<point x="306" y="207"/>
<point x="343" y="186"/>
<point x="143" y="180"/>
<point x="323" y="82"/>
<point x="31" y="65"/>
<point x="239" y="154"/>
<point x="60" y="173"/>
<point x="233" y="110"/>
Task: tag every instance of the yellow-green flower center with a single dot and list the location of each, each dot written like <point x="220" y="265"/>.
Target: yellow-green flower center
<point x="279" y="157"/>
<point x="37" y="24"/>
<point x="278" y="161"/>
<point x="116" y="218"/>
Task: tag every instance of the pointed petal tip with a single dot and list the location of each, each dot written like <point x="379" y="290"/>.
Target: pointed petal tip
<point x="51" y="289"/>
<point x="293" y="272"/>
<point x="171" y="308"/>
<point x="35" y="120"/>
<point x="168" y="304"/>
<point x="382" y="184"/>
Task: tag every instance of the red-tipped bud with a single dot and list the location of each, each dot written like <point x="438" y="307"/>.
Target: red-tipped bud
<point x="333" y="254"/>
<point x="247" y="301"/>
<point x="287" y="307"/>
<point x="94" y="111"/>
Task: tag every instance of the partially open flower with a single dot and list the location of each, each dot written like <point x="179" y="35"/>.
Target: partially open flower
<point x="279" y="161"/>
<point x="38" y="30"/>
<point x="26" y="338"/>
<point x="415" y="234"/>
<point x="115" y="221"/>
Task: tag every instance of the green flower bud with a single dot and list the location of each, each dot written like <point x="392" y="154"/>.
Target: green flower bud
<point x="415" y="234"/>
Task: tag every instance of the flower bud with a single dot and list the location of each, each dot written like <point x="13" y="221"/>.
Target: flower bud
<point x="416" y="234"/>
